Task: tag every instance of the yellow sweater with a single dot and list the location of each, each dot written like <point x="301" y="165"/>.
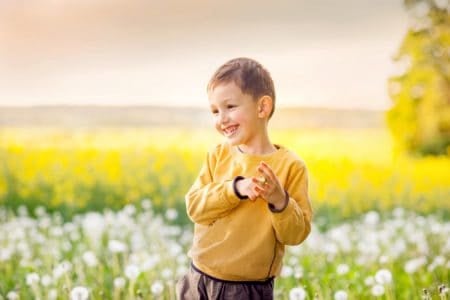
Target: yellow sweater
<point x="243" y="240"/>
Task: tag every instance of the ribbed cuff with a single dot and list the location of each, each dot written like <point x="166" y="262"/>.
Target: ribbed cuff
<point x="236" y="192"/>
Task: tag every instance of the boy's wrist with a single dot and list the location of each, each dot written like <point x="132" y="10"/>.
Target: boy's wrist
<point x="280" y="206"/>
<point x="235" y="188"/>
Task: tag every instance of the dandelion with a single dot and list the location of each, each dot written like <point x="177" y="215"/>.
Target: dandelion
<point x="79" y="293"/>
<point x="157" y="288"/>
<point x="426" y="295"/>
<point x="298" y="272"/>
<point x="146" y="204"/>
<point x="372" y="218"/>
<point x="342" y="269"/>
<point x="383" y="276"/>
<point x="286" y="271"/>
<point x="340" y="295"/>
<point x="437" y="262"/>
<point x="132" y="272"/>
<point x="383" y="259"/>
<point x="377" y="290"/>
<point x="166" y="273"/>
<point x="297" y="293"/>
<point x="116" y="246"/>
<point x="53" y="294"/>
<point x="119" y="283"/>
<point x="12" y="295"/>
<point x="32" y="279"/>
<point x="90" y="259"/>
<point x="61" y="269"/>
<point x="171" y="214"/>
<point x="369" y="281"/>
<point x="414" y="264"/>
<point x="6" y="254"/>
<point x="46" y="280"/>
<point x="443" y="291"/>
<point x="129" y="209"/>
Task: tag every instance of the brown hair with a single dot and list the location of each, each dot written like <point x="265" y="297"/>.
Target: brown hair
<point x="249" y="75"/>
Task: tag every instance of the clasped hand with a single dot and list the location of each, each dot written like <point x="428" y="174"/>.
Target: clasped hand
<point x="267" y="187"/>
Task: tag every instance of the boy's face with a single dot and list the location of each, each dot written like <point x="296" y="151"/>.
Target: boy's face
<point x="236" y="115"/>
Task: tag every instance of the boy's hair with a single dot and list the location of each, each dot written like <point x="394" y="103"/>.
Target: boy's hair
<point x="249" y="75"/>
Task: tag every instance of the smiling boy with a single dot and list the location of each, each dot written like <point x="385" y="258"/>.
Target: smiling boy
<point x="251" y="196"/>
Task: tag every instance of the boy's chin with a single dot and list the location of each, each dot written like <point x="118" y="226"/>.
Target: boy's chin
<point x="233" y="142"/>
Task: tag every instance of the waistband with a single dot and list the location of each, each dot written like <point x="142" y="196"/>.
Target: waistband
<point x="262" y="282"/>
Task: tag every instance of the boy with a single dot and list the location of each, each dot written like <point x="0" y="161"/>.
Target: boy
<point x="251" y="197"/>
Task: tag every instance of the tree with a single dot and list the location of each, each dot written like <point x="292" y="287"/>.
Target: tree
<point x="420" y="116"/>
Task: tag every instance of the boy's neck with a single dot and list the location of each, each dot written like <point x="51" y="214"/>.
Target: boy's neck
<point x="260" y="146"/>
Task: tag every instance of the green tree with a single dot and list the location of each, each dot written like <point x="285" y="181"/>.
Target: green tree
<point x="420" y="116"/>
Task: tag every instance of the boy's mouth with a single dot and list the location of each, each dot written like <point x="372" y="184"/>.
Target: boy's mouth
<point x="230" y="130"/>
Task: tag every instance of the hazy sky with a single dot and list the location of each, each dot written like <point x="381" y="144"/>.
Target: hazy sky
<point x="319" y="52"/>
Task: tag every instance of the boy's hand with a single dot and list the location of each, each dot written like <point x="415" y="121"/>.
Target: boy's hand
<point x="246" y="187"/>
<point x="269" y="187"/>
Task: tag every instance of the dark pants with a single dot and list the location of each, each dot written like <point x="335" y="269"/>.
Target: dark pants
<point x="197" y="285"/>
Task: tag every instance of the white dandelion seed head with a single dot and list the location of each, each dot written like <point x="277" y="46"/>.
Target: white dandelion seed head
<point x="340" y="295"/>
<point x="377" y="290"/>
<point x="12" y="295"/>
<point x="116" y="246"/>
<point x="398" y="212"/>
<point x="298" y="272"/>
<point x="79" y="293"/>
<point x="383" y="276"/>
<point x="61" y="269"/>
<point x="439" y="260"/>
<point x="157" y="288"/>
<point x="146" y="204"/>
<point x="119" y="283"/>
<point x="286" y="271"/>
<point x="166" y="273"/>
<point x="383" y="259"/>
<point x="40" y="211"/>
<point x="22" y="211"/>
<point x="52" y="294"/>
<point x="129" y="209"/>
<point x="90" y="259"/>
<point x="412" y="265"/>
<point x="6" y="254"/>
<point x="372" y="218"/>
<point x="171" y="214"/>
<point x="46" y="280"/>
<point x="342" y="269"/>
<point x="297" y="293"/>
<point x="32" y="279"/>
<point x="150" y="262"/>
<point x="132" y="272"/>
<point x="369" y="281"/>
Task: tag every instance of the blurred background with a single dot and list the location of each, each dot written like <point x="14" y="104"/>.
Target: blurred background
<point x="103" y="108"/>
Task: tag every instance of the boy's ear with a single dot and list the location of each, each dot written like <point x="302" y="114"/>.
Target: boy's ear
<point x="265" y="105"/>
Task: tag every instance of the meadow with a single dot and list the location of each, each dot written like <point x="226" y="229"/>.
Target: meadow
<point x="101" y="212"/>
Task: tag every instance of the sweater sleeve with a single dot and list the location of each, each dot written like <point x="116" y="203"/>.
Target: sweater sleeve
<point x="293" y="224"/>
<point x="207" y="200"/>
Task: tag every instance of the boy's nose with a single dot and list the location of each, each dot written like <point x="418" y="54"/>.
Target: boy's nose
<point x="223" y="118"/>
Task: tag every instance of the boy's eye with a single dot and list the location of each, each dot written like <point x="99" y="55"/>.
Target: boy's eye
<point x="215" y="112"/>
<point x="231" y="106"/>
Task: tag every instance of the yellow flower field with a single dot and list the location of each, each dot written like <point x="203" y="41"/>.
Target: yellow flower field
<point x="351" y="171"/>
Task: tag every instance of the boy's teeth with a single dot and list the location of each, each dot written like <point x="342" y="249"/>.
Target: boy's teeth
<point x="230" y="130"/>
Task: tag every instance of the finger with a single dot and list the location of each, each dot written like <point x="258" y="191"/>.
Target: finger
<point x="266" y="172"/>
<point x="257" y="182"/>
<point x="270" y="175"/>
<point x="251" y="196"/>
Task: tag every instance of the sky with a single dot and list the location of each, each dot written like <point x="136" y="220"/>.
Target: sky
<point x="321" y="53"/>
